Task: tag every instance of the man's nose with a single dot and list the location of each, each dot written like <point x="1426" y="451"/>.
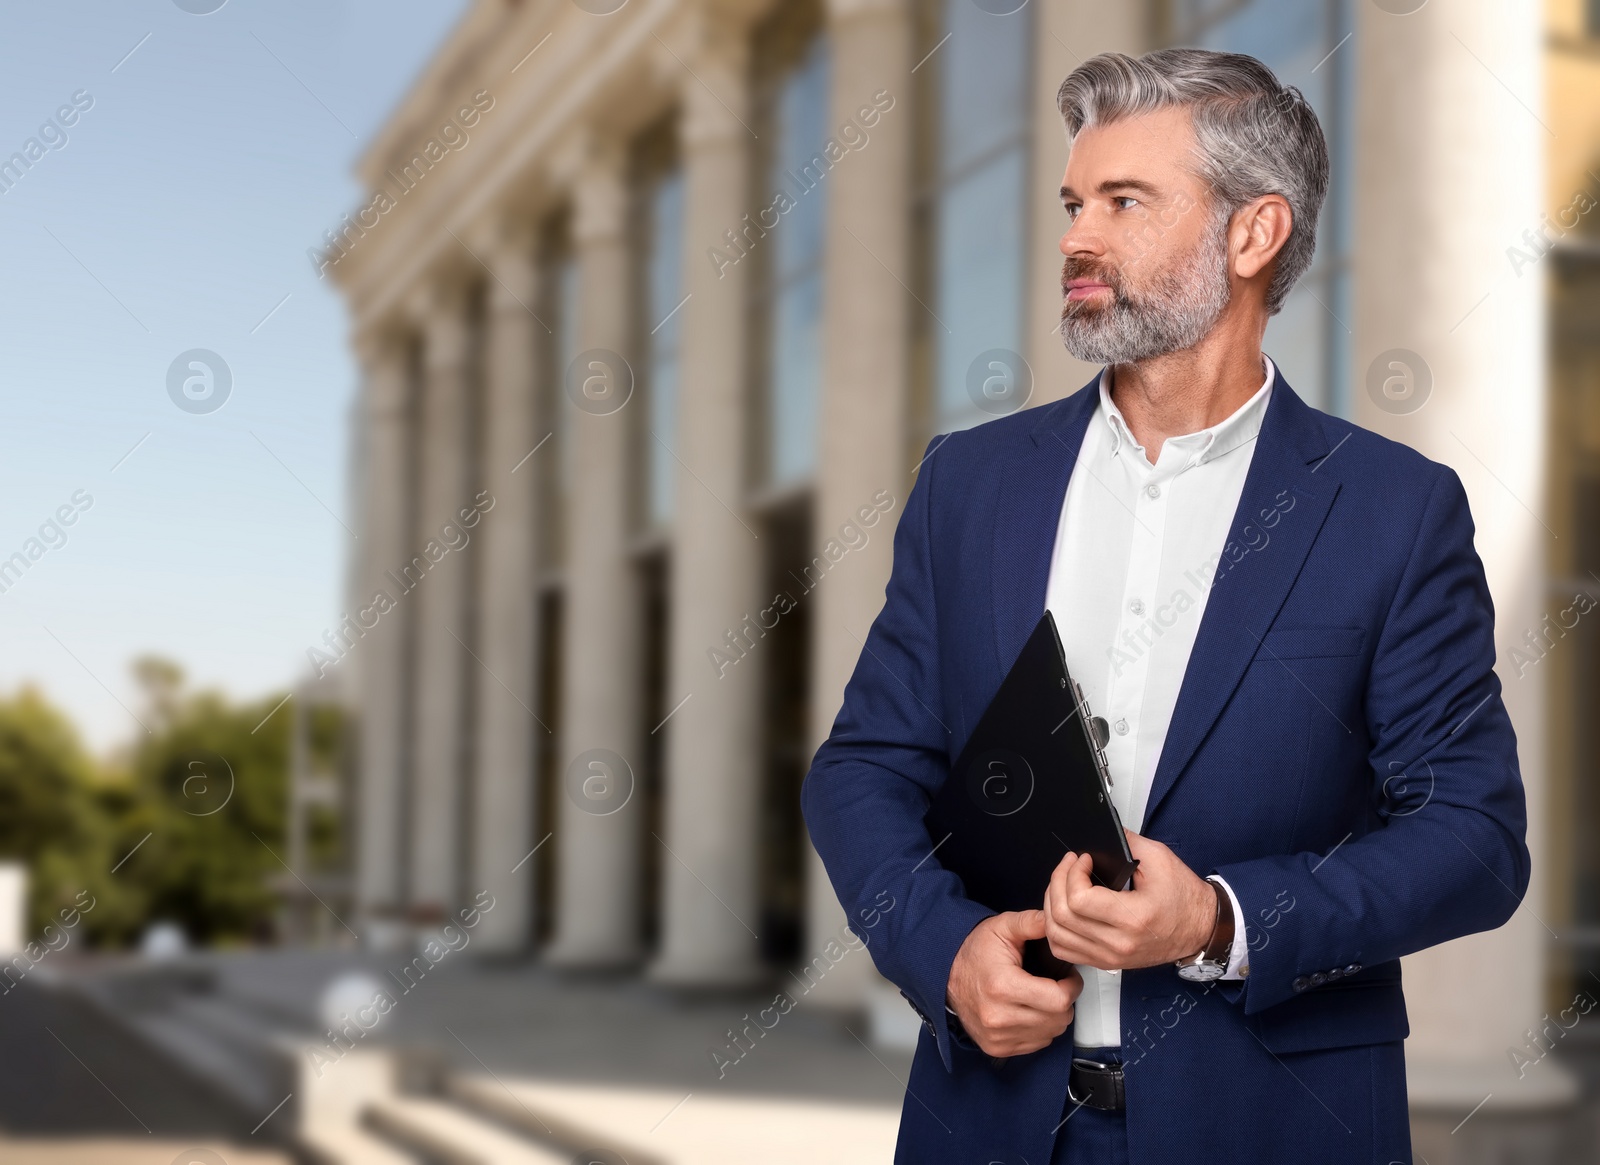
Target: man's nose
<point x="1083" y="237"/>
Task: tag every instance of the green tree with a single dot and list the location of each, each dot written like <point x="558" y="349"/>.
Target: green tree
<point x="51" y="817"/>
<point x="211" y="784"/>
<point x="186" y="826"/>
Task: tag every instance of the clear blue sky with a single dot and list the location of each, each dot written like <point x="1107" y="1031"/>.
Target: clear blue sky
<point x="177" y="216"/>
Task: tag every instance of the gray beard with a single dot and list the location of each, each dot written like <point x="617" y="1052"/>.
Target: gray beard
<point x="1177" y="312"/>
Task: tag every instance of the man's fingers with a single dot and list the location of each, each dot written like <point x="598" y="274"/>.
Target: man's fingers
<point x="1073" y="895"/>
<point x="1086" y="926"/>
<point x="1068" y="860"/>
<point x="1072" y="983"/>
<point x="1076" y="877"/>
<point x="1069" y="877"/>
<point x="1000" y="1016"/>
<point x="1037" y="993"/>
<point x="1142" y="847"/>
<point x="1087" y="911"/>
<point x="1011" y="1012"/>
<point x="1012" y="1030"/>
<point x="1022" y="1040"/>
<point x="1021" y="925"/>
<point x="1083" y="952"/>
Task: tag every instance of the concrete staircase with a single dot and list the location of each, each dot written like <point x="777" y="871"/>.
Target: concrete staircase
<point x="254" y="1059"/>
<point x="657" y="1126"/>
<point x="446" y="1132"/>
<point x="227" y="1048"/>
<point x="252" y="1055"/>
<point x="247" y="1034"/>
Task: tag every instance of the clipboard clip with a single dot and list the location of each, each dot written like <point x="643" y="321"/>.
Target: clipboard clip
<point x="1097" y="731"/>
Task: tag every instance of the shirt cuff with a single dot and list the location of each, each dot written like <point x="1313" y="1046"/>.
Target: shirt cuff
<point x="1239" y="952"/>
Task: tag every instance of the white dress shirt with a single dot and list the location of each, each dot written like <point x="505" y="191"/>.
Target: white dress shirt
<point x="1136" y="552"/>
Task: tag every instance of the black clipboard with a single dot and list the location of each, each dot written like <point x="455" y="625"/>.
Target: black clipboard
<point x="1030" y="784"/>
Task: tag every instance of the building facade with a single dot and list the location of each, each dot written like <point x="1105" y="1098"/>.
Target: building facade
<point x="658" y="305"/>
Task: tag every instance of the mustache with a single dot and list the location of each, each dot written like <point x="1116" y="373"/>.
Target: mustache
<point x="1079" y="269"/>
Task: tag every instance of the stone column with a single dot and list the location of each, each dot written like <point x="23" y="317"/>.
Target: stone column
<point x="864" y="424"/>
<point x="599" y="829"/>
<point x="385" y="508"/>
<point x="713" y="764"/>
<point x="434" y="570"/>
<point x="506" y="543"/>
<point x="1449" y="105"/>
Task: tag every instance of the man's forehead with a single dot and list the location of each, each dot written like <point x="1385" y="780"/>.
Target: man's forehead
<point x="1146" y="150"/>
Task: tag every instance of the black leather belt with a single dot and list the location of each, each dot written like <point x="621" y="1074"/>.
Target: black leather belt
<point x="1096" y="1085"/>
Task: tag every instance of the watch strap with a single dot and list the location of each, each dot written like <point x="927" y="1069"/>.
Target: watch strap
<point x="1220" y="945"/>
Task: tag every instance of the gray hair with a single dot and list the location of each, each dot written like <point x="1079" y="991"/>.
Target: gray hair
<point x="1254" y="136"/>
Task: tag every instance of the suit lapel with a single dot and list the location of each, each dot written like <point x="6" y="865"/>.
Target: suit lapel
<point x="1033" y="484"/>
<point x="1250" y="587"/>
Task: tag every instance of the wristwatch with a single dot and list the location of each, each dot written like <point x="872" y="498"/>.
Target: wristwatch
<point x="1212" y="961"/>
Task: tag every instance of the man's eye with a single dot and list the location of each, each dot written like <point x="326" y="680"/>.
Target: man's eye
<point x="1132" y="202"/>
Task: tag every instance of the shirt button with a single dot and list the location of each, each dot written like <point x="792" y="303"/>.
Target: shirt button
<point x="1301" y="983"/>
<point x="1318" y="979"/>
<point x="1121" y="727"/>
<point x="1137" y="606"/>
<point x="1335" y="973"/>
<point x="1352" y="968"/>
<point x="1152" y="490"/>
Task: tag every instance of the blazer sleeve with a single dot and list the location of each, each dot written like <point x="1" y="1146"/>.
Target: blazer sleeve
<point x="871" y="781"/>
<point x="1449" y="856"/>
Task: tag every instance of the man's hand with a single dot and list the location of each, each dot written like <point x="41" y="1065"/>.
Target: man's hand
<point x="1167" y="916"/>
<point x="1005" y="1010"/>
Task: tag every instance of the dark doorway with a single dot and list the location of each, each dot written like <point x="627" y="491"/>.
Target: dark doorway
<point x="786" y="652"/>
<point x="653" y="595"/>
<point x="547" y="765"/>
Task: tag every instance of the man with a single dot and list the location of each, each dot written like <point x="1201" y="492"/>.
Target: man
<point x="1284" y="620"/>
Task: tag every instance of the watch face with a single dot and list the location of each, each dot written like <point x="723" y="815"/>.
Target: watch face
<point x="1201" y="972"/>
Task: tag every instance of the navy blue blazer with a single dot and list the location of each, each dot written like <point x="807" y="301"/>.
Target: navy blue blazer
<point x="1339" y="752"/>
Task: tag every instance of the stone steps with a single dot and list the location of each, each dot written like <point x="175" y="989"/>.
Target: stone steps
<point x="351" y="1145"/>
<point x="547" y="1118"/>
<point x="225" y="1048"/>
<point x="648" y="1126"/>
<point x="249" y="1032"/>
<point x="451" y="1134"/>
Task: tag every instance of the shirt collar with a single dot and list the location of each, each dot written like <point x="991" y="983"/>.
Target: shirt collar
<point x="1207" y="444"/>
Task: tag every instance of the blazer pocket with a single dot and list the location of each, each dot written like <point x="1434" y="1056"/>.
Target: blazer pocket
<point x="1311" y="642"/>
<point x="1350" y="1014"/>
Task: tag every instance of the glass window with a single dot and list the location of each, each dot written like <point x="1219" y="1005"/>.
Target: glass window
<point x="1303" y="42"/>
<point x="791" y="76"/>
<point x="974" y="77"/>
<point x="983" y="83"/>
<point x="658" y="193"/>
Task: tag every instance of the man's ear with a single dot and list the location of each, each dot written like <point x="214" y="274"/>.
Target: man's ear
<point x="1265" y="223"/>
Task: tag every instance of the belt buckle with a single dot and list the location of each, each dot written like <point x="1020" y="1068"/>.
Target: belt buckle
<point x="1111" y="1071"/>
